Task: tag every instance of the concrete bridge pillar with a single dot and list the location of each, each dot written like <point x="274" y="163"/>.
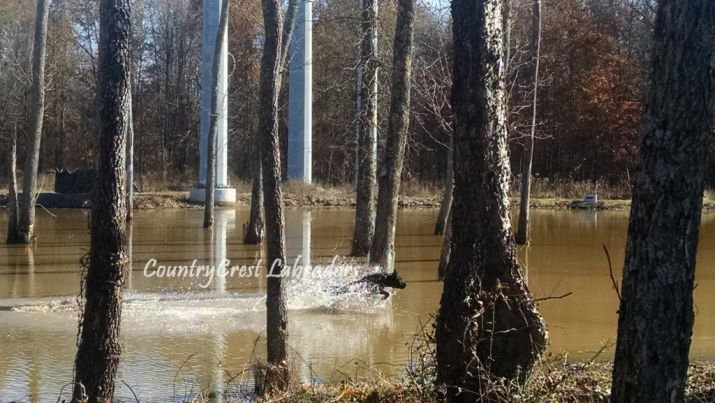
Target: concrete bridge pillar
<point x="300" y="96"/>
<point x="223" y="192"/>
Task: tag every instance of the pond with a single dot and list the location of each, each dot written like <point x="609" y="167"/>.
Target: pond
<point x="179" y="337"/>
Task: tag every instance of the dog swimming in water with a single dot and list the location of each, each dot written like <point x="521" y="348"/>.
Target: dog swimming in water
<point x="376" y="283"/>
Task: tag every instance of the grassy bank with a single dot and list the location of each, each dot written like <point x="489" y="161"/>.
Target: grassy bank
<point x="553" y="380"/>
<point x="546" y="195"/>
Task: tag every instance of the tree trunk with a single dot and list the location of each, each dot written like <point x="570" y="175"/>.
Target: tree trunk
<point x="446" y="248"/>
<point x="61" y="125"/>
<point x="522" y="233"/>
<point x="130" y="161"/>
<point x="37" y="99"/>
<point x="98" y="345"/>
<point x="507" y="26"/>
<point x="655" y="323"/>
<point x="366" y="130"/>
<point x="277" y="318"/>
<point x="213" y="121"/>
<point x="488" y="324"/>
<point x="442" y="219"/>
<point x="253" y="233"/>
<point x="289" y="21"/>
<point x="383" y="247"/>
<point x="13" y="230"/>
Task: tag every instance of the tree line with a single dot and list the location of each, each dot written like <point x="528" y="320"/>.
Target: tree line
<point x="593" y="74"/>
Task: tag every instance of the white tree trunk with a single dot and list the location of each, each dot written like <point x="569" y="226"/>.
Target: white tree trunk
<point x="37" y="109"/>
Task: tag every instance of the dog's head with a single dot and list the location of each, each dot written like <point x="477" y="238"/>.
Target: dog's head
<point x="393" y="280"/>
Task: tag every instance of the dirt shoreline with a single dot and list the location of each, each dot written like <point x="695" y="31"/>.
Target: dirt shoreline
<point x="318" y="199"/>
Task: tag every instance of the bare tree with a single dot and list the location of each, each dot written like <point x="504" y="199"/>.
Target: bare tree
<point x="274" y="56"/>
<point x="383" y="247"/>
<point x="440" y="226"/>
<point x="288" y="27"/>
<point x="13" y="230"/>
<point x="488" y="324"/>
<point x="367" y="80"/>
<point x="213" y="120"/>
<point x="446" y="248"/>
<point x="655" y="321"/>
<point x="432" y="85"/>
<point x="130" y="161"/>
<point x="253" y="231"/>
<point x="98" y="345"/>
<point x="277" y="319"/>
<point x="522" y="233"/>
<point x="37" y="107"/>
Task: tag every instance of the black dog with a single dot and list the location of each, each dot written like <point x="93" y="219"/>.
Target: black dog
<point x="376" y="283"/>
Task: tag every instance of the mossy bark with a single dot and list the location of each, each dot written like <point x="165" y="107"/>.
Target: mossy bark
<point x="98" y="345"/>
<point x="488" y="325"/>
<point x="655" y="321"/>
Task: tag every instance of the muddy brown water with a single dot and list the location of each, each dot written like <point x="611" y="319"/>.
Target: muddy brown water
<point x="179" y="338"/>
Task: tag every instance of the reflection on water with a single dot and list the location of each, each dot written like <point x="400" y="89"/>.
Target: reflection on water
<point x="179" y="338"/>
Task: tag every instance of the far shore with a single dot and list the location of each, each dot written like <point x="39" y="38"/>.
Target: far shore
<point x="321" y="198"/>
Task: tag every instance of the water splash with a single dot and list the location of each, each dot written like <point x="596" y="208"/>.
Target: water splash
<point x="342" y="293"/>
<point x="329" y="294"/>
